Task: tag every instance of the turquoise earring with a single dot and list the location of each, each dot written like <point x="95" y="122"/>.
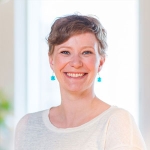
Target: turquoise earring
<point x="99" y="79"/>
<point x="52" y="77"/>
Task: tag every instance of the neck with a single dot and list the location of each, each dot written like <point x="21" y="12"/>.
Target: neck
<point x="76" y="106"/>
<point x="76" y="100"/>
<point x="76" y="109"/>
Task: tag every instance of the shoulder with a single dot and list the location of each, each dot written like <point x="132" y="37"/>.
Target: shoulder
<point x="29" y="122"/>
<point x="122" y="130"/>
<point x="29" y="119"/>
<point x="121" y="120"/>
<point x="27" y="129"/>
<point x="120" y="114"/>
<point x="22" y="123"/>
<point x="117" y="115"/>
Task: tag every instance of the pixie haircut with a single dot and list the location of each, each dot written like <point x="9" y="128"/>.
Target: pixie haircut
<point x="65" y="27"/>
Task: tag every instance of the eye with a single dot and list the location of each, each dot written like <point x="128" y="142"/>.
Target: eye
<point x="87" y="52"/>
<point x="65" y="52"/>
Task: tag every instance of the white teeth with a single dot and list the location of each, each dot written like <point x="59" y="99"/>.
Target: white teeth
<point x="75" y="75"/>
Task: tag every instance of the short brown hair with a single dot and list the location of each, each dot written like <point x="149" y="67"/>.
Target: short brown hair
<point x="65" y="27"/>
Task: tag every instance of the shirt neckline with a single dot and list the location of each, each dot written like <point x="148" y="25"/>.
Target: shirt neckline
<point x="50" y="126"/>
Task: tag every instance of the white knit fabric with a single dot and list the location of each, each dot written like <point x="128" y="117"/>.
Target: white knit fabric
<point x="114" y="129"/>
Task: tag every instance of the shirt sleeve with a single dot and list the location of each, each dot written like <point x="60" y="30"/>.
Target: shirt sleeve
<point x="123" y="133"/>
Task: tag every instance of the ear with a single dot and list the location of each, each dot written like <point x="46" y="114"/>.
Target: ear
<point x="102" y="60"/>
<point x="51" y="61"/>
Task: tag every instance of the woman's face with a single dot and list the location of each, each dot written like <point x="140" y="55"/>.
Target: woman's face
<point x="76" y="62"/>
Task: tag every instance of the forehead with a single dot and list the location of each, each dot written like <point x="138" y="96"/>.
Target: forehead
<point x="80" y="40"/>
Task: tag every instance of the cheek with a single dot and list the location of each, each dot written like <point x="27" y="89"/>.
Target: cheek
<point x="92" y="64"/>
<point x="59" y="63"/>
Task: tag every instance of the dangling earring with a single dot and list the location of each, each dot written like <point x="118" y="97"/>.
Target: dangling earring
<point x="53" y="77"/>
<point x="99" y="79"/>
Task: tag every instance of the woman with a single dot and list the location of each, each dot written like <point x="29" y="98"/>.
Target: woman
<point x="82" y="121"/>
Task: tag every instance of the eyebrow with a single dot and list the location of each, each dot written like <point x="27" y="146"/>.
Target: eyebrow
<point x="69" y="47"/>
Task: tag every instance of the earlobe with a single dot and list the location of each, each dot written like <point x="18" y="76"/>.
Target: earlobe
<point x="99" y="68"/>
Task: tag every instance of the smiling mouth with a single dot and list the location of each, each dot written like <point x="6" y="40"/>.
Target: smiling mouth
<point x="75" y="75"/>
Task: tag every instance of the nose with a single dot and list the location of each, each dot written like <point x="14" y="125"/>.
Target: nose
<point x="76" y="61"/>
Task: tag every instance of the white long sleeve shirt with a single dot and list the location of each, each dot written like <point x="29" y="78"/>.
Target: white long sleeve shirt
<point x="114" y="129"/>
